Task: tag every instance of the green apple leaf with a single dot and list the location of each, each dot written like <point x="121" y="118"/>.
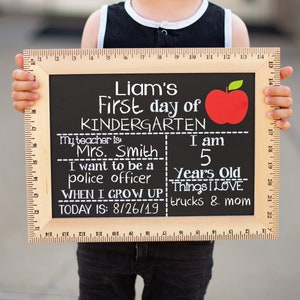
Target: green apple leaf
<point x="235" y="85"/>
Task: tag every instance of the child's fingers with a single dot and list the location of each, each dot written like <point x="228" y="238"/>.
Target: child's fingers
<point x="23" y="88"/>
<point x="23" y="100"/>
<point x="24" y="96"/>
<point x="22" y="105"/>
<point x="281" y="90"/>
<point x="20" y="75"/>
<point x="285" y="102"/>
<point x="283" y="124"/>
<point x="19" y="60"/>
<point x="281" y="97"/>
<point x="280" y="113"/>
<point x="20" y="86"/>
<point x="286" y="72"/>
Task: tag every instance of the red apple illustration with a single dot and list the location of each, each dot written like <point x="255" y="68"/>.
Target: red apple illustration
<point x="230" y="106"/>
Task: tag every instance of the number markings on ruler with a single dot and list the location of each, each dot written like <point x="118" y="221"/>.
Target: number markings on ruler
<point x="264" y="223"/>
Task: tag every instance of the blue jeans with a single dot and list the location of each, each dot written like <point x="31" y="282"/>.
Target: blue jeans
<point x="171" y="270"/>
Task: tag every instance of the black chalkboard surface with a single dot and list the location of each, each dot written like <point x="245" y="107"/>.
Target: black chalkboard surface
<point x="152" y="144"/>
<point x="144" y="145"/>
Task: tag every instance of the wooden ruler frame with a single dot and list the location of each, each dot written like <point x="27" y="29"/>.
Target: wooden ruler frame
<point x="264" y="62"/>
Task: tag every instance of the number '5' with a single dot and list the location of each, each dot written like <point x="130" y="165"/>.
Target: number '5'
<point x="205" y="157"/>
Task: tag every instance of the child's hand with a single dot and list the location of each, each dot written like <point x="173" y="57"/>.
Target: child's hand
<point x="280" y="96"/>
<point x="23" y="87"/>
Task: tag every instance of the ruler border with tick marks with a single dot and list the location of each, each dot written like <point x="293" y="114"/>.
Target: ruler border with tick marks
<point x="264" y="62"/>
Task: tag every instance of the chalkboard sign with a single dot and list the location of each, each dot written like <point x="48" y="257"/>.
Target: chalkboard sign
<point x="152" y="144"/>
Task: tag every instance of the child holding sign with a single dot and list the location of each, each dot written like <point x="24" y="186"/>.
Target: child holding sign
<point x="174" y="270"/>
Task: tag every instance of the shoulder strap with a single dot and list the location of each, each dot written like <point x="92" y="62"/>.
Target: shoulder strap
<point x="102" y="28"/>
<point x="228" y="28"/>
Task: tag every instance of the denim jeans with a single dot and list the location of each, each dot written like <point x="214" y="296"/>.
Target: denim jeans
<point x="170" y="270"/>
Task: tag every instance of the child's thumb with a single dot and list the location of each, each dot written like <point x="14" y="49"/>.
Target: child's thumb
<point x="20" y="60"/>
